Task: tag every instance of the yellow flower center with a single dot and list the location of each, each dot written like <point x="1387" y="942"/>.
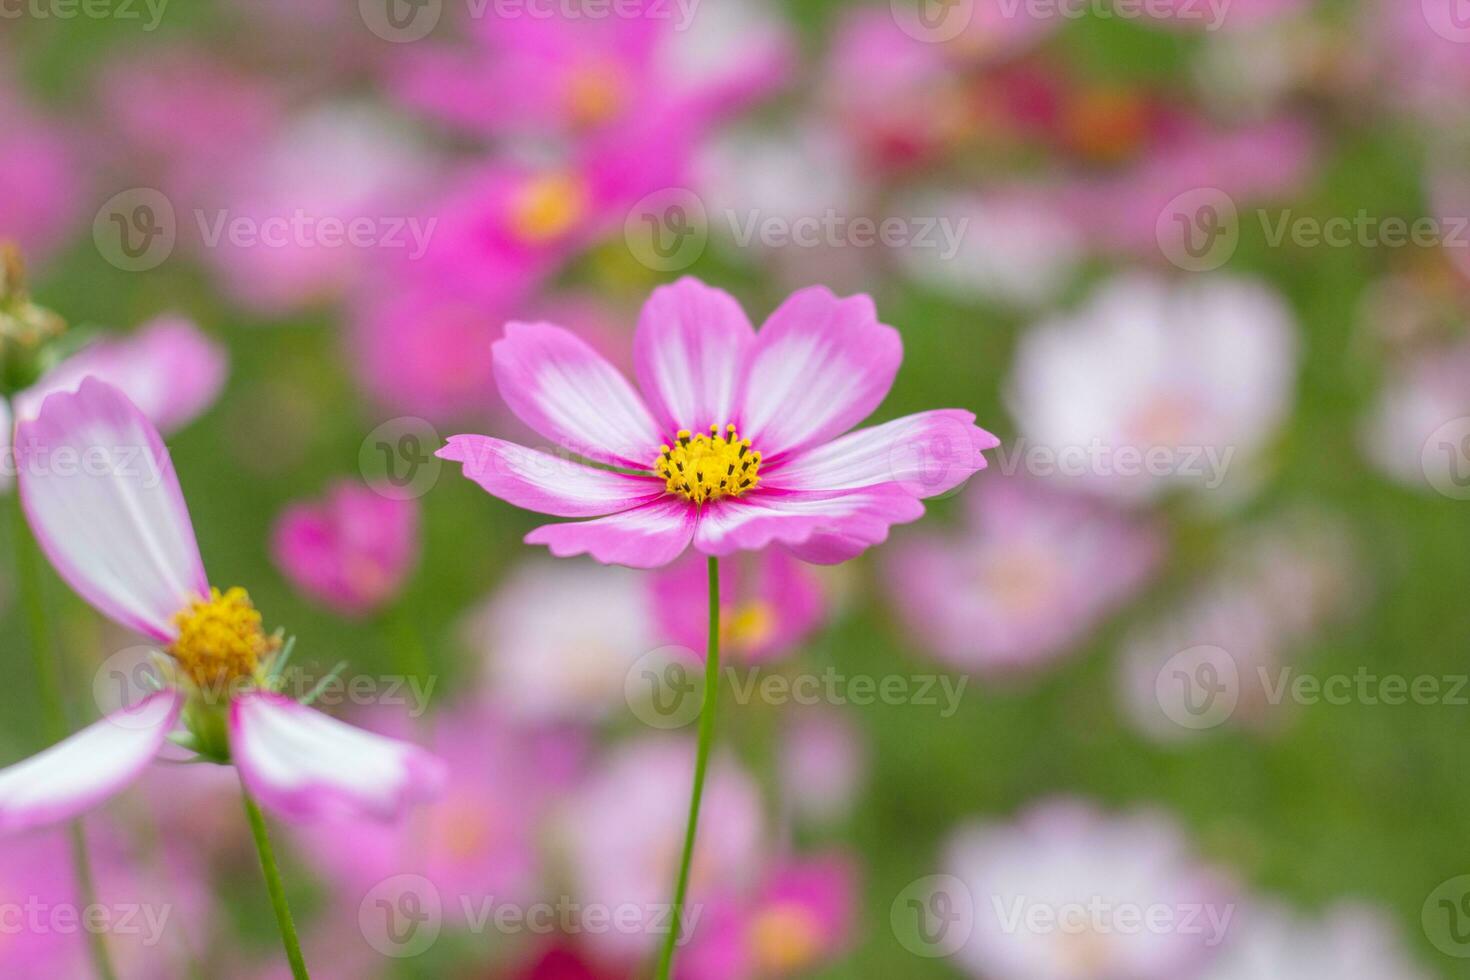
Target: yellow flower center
<point x="547" y="206"/>
<point x="750" y="624"/>
<point x="595" y="93"/>
<point x="785" y="938"/>
<point x="708" y="467"/>
<point x="221" y="639"/>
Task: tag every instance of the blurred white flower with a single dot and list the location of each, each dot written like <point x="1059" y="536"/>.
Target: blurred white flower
<point x="1349" y="942"/>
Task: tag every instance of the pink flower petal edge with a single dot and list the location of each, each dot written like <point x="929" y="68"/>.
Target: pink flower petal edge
<point x="306" y="765"/>
<point x="546" y="483"/>
<point x="102" y="497"/>
<point x="689" y="346"/>
<point x="84" y="770"/>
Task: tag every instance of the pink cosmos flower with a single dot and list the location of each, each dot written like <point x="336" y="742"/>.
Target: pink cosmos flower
<point x="167" y="367"/>
<point x="480" y="838"/>
<point x="1348" y="942"/>
<point x="770" y="603"/>
<point x="628" y="855"/>
<point x="796" y="921"/>
<point x="736" y="443"/>
<point x="1055" y="895"/>
<point x="1422" y="397"/>
<point x="595" y="76"/>
<point x="351" y="551"/>
<point x="542" y="666"/>
<point x="1034" y="570"/>
<point x="1420" y="50"/>
<point x="116" y="527"/>
<point x="1152" y="385"/>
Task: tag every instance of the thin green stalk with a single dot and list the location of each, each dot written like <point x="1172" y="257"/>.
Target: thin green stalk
<point x="701" y="767"/>
<point x="273" y="885"/>
<point x="48" y="679"/>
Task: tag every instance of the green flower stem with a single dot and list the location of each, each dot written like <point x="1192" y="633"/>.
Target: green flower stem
<point x="272" y="873"/>
<point x="701" y="767"/>
<point x="48" y="677"/>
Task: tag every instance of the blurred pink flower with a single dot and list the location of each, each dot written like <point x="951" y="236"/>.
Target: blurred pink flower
<point x="542" y="665"/>
<point x="40" y="198"/>
<point x="351" y="551"/>
<point x="819" y="366"/>
<point x="823" y="764"/>
<point x="1224" y="654"/>
<point x="169" y="368"/>
<point x="1055" y="891"/>
<point x="796" y="921"/>
<point x="595" y="76"/>
<point x="1422" y="396"/>
<point x="1421" y="53"/>
<point x="480" y="839"/>
<point x="299" y="215"/>
<point x="1152" y="385"/>
<point x="1034" y="570"/>
<point x="184" y="117"/>
<point x="1348" y="942"/>
<point x="770" y="603"/>
<point x="627" y="856"/>
<point x="1119" y="207"/>
<point x="121" y="536"/>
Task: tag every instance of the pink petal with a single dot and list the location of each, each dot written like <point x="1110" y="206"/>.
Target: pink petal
<point x="820" y="365"/>
<point x="306" y="765"/>
<point x="645" y="537"/>
<point x="690" y="344"/>
<point x="169" y="369"/>
<point x="927" y="454"/>
<point x="78" y="773"/>
<point x="104" y="502"/>
<point x="570" y="394"/>
<point x="793" y="519"/>
<point x="545" y="483"/>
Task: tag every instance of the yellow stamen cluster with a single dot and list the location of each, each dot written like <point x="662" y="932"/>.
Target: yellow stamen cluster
<point x="785" y="938"/>
<point x="708" y="467"/>
<point x="221" y="639"/>
<point x="547" y="207"/>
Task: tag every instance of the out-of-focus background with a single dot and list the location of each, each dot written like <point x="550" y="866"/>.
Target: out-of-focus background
<point x="1176" y="689"/>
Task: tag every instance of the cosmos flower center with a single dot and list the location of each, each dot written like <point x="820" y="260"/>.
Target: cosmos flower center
<point x="595" y="93"/>
<point x="785" y="938"/>
<point x="548" y="206"/>
<point x="221" y="639"/>
<point x="707" y="467"/>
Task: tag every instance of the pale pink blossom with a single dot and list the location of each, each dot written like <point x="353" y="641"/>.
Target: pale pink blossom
<point x="770" y="604"/>
<point x="1347" y="942"/>
<point x="41" y="196"/>
<point x="1152" y="385"/>
<point x="1056" y="895"/>
<point x="799" y="919"/>
<point x="544" y="665"/>
<point x="823" y="765"/>
<point x="770" y="463"/>
<point x="1405" y="433"/>
<point x="1033" y="571"/>
<point x="628" y="855"/>
<point x="351" y="551"/>
<point x="118" y="531"/>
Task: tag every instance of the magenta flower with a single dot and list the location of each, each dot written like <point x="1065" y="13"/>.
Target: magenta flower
<point x="351" y="551"/>
<point x="737" y="441"/>
<point x="768" y="605"/>
<point x="104" y="502"/>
